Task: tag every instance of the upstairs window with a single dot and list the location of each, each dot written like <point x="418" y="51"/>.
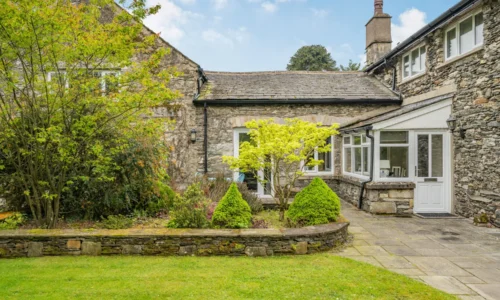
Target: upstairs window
<point x="465" y="36"/>
<point x="414" y="62"/>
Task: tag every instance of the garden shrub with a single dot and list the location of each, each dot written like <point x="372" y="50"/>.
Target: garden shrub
<point x="12" y="222"/>
<point x="316" y="204"/>
<point x="190" y="210"/>
<point x="219" y="186"/>
<point x="232" y="211"/>
<point x="117" y="222"/>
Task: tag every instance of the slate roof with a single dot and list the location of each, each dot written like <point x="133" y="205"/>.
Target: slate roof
<point x="360" y="123"/>
<point x="294" y="86"/>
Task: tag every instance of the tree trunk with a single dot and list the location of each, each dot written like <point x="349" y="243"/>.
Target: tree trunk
<point x="282" y="214"/>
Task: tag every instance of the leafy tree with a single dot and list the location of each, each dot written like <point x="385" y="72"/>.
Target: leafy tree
<point x="63" y="120"/>
<point x="351" y="66"/>
<point x="280" y="150"/>
<point x="312" y="58"/>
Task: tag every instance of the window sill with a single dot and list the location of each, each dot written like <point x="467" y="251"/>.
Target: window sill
<point x="321" y="174"/>
<point x="357" y="176"/>
<point x="460" y="57"/>
<point x="414" y="77"/>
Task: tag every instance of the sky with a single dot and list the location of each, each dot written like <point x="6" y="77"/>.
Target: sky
<point x="262" y="35"/>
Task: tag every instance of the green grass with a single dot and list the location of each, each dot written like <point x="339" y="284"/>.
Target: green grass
<point x="320" y="276"/>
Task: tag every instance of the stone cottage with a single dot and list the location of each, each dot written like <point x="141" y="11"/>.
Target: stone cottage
<point x="419" y="127"/>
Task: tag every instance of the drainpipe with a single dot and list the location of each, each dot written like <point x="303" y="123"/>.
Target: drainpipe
<point x="372" y="155"/>
<point x="205" y="137"/>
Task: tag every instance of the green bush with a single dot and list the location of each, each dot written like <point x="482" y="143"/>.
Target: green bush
<point x="12" y="222"/>
<point x="232" y="211"/>
<point x="218" y="187"/>
<point x="117" y="222"/>
<point x="190" y="210"/>
<point x="316" y="204"/>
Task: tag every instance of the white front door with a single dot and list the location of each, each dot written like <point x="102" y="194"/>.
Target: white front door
<point x="432" y="193"/>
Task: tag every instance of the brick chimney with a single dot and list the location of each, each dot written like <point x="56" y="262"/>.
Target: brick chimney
<point x="378" y="34"/>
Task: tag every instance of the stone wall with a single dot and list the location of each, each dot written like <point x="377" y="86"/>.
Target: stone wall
<point x="476" y="106"/>
<point x="179" y="115"/>
<point x="222" y="120"/>
<point x="172" y="242"/>
<point x="395" y="198"/>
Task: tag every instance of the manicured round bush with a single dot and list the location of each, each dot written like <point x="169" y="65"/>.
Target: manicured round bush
<point x="316" y="204"/>
<point x="232" y="211"/>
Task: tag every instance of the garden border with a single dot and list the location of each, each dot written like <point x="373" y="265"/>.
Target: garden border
<point x="172" y="242"/>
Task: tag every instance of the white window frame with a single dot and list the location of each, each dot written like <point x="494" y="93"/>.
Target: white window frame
<point x="51" y="74"/>
<point x="315" y="171"/>
<point x="102" y="72"/>
<point x="410" y="163"/>
<point x="409" y="55"/>
<point x="236" y="174"/>
<point x="456" y="27"/>
<point x="365" y="144"/>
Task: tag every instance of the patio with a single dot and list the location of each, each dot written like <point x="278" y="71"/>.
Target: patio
<point x="449" y="254"/>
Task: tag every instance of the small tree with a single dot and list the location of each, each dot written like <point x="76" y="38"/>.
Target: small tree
<point x="283" y="151"/>
<point x="63" y="119"/>
<point x="312" y="58"/>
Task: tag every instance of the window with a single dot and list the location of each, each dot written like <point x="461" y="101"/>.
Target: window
<point x="414" y="62"/>
<point x="249" y="178"/>
<point x="464" y="36"/>
<point x="356" y="155"/>
<point x="108" y="82"/>
<point x="327" y="157"/>
<point x="394" y="154"/>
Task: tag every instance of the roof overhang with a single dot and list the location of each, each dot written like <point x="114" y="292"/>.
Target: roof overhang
<point x="250" y="102"/>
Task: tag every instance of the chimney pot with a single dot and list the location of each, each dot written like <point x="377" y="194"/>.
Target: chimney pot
<point x="379" y="7"/>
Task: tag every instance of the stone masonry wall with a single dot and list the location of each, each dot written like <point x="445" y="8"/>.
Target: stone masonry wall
<point x="182" y="166"/>
<point x="222" y="120"/>
<point x="169" y="242"/>
<point x="395" y="198"/>
<point x="476" y="106"/>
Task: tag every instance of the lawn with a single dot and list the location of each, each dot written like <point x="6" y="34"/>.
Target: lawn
<point x="321" y="276"/>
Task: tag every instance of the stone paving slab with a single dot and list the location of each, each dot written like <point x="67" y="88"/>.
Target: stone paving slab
<point x="488" y="291"/>
<point x="447" y="284"/>
<point x="449" y="254"/>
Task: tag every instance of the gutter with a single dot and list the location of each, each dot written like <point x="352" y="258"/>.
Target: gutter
<point x="450" y="13"/>
<point x="241" y="102"/>
<point x="372" y="156"/>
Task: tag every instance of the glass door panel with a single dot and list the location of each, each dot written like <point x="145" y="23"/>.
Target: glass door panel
<point x="423" y="155"/>
<point x="437" y="155"/>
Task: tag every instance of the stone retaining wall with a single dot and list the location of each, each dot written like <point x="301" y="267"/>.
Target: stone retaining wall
<point x="172" y="242"/>
<point x="394" y="198"/>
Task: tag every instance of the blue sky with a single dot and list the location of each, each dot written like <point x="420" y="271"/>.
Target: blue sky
<point x="262" y="35"/>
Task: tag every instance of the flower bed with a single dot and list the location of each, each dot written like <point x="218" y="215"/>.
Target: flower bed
<point x="172" y="242"/>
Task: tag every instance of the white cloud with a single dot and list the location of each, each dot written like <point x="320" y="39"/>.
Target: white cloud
<point x="169" y="21"/>
<point x="410" y="22"/>
<point x="320" y="13"/>
<point x="188" y="2"/>
<point x="219" y="4"/>
<point x="212" y="36"/>
<point x="239" y="35"/>
<point x="269" y="7"/>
